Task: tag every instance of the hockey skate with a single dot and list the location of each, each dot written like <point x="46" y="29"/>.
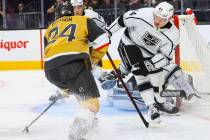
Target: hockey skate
<point x="155" y="117"/>
<point x="154" y="113"/>
<point x="83" y="125"/>
<point x="168" y="106"/>
<point x="79" y="129"/>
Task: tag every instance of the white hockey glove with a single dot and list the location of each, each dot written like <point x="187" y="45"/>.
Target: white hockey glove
<point x="156" y="62"/>
<point x="159" y="61"/>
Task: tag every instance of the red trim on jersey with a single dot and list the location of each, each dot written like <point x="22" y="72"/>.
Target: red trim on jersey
<point x="101" y="47"/>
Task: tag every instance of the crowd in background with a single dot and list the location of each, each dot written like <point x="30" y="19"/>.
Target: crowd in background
<point x="21" y="14"/>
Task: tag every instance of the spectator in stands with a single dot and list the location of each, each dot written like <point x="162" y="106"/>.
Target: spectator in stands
<point x="56" y="8"/>
<point x="201" y="12"/>
<point x="108" y="11"/>
<point x="1" y="17"/>
<point x="20" y="8"/>
<point x="106" y="4"/>
<point x="87" y="5"/>
<point x="125" y="3"/>
<point x="94" y="4"/>
<point x="189" y="4"/>
<point x="21" y="23"/>
<point x="11" y="17"/>
<point x="122" y="6"/>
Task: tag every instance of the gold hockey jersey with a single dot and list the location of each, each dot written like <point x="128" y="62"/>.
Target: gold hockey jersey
<point x="67" y="38"/>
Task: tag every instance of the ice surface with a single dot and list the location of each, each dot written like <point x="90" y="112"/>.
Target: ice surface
<point x="24" y="94"/>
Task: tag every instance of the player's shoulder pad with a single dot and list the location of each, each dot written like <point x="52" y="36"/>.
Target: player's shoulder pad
<point x="138" y="12"/>
<point x="91" y="14"/>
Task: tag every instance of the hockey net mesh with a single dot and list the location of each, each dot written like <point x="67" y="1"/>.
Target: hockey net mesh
<point x="194" y="53"/>
<point x="194" y="56"/>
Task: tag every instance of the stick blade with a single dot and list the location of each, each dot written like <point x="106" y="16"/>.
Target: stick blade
<point x="26" y="130"/>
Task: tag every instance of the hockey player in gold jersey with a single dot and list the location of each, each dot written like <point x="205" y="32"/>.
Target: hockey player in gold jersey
<point x="68" y="63"/>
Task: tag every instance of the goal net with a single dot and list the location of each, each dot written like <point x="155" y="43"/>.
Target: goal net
<point x="193" y="55"/>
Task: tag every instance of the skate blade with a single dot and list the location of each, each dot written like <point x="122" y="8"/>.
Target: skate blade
<point x="168" y="114"/>
<point x="161" y="124"/>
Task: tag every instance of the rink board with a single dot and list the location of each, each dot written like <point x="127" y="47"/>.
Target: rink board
<point x="23" y="50"/>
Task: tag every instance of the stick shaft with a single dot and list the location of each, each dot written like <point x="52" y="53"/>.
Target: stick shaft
<point x="47" y="108"/>
<point x="127" y="91"/>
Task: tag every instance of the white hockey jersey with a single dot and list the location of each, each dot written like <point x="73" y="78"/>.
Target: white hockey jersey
<point x="99" y="20"/>
<point x="140" y="31"/>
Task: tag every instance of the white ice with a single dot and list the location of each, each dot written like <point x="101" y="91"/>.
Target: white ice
<point x="24" y="94"/>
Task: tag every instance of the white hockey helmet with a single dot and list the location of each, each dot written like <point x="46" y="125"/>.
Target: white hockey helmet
<point x="164" y="10"/>
<point x="76" y="2"/>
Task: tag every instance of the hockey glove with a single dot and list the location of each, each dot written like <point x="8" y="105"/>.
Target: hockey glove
<point x="149" y="65"/>
<point x="159" y="61"/>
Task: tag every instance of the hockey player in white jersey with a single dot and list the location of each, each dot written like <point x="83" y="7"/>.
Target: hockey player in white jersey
<point x="147" y="47"/>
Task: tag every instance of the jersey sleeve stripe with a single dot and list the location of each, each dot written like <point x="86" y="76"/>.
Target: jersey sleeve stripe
<point x="101" y="47"/>
<point x="140" y="19"/>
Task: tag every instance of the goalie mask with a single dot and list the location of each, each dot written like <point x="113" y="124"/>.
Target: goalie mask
<point x="164" y="10"/>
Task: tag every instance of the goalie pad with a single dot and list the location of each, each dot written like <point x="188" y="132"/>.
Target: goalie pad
<point x="173" y="93"/>
<point x="181" y="81"/>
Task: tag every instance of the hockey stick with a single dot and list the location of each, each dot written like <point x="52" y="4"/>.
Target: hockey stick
<point x="26" y="129"/>
<point x="127" y="91"/>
